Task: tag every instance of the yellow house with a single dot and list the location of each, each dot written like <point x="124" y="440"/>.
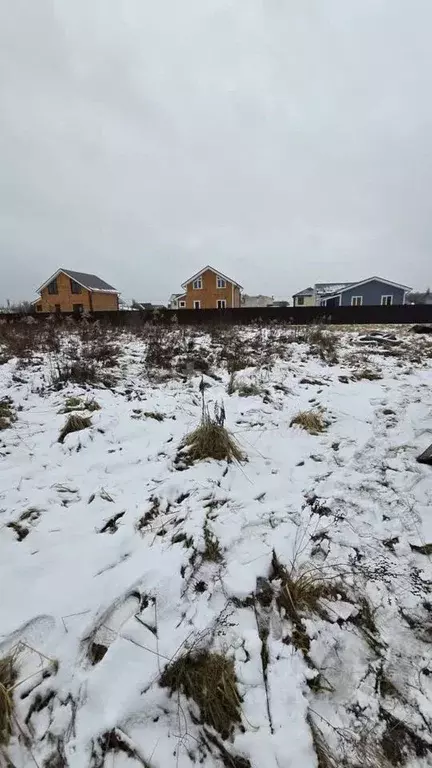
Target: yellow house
<point x="70" y="291"/>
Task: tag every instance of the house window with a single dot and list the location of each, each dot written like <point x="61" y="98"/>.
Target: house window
<point x="52" y="287"/>
<point x="182" y="304"/>
<point x="300" y="301"/>
<point x="75" y="287"/>
<point x="221" y="303"/>
<point x="197" y="305"/>
<point x="220" y="282"/>
<point x="38" y="307"/>
<point x="57" y="308"/>
<point x="77" y="309"/>
<point x="356" y="301"/>
<point x="387" y="301"/>
<point x="197" y="284"/>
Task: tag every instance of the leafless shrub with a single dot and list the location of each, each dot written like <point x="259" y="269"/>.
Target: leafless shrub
<point x="324" y="343"/>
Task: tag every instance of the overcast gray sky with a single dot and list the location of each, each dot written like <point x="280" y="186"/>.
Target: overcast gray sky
<point x="283" y="141"/>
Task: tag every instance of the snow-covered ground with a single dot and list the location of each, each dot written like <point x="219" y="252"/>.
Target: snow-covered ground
<point x="104" y="576"/>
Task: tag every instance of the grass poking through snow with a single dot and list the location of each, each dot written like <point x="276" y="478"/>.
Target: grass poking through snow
<point x="312" y="421"/>
<point x="209" y="679"/>
<point x="8" y="676"/>
<point x="211" y="441"/>
<point x="75" y="423"/>
<point x="7" y="413"/>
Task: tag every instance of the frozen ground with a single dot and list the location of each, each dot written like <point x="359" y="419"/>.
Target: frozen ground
<point x="105" y="573"/>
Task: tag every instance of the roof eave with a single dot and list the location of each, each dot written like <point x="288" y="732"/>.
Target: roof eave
<point x="216" y="272"/>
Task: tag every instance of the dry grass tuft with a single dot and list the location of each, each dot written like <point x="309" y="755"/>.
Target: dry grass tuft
<point x="76" y="404"/>
<point x="71" y="404"/>
<point x="8" y="676"/>
<point x="367" y="373"/>
<point x="75" y="423"/>
<point x="300" y="591"/>
<point x="209" y="679"/>
<point x="211" y="441"/>
<point x="312" y="421"/>
<point x="324" y="343"/>
<point x="7" y="413"/>
<point x="91" y="405"/>
<point x="154" y="415"/>
<point x="212" y="551"/>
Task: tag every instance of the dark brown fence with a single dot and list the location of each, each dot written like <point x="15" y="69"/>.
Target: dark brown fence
<point x="408" y="313"/>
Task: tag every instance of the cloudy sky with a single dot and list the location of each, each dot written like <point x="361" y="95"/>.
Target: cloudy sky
<point x="283" y="141"/>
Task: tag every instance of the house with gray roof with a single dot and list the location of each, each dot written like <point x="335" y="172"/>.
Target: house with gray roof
<point x="70" y="291"/>
<point x="369" y="292"/>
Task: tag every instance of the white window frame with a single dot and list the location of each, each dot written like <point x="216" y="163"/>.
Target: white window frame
<point x="220" y="282"/>
<point x="355" y="303"/>
<point x="387" y="296"/>
<point x="182" y="304"/>
<point x="197" y="301"/>
<point x="197" y="284"/>
<point x="221" y="304"/>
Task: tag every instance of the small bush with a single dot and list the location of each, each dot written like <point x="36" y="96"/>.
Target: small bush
<point x="83" y="371"/>
<point x="209" y="679"/>
<point x="8" y="676"/>
<point x="312" y="421"/>
<point x="75" y="423"/>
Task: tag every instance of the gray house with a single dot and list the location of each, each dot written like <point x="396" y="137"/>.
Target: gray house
<point x="369" y="292"/>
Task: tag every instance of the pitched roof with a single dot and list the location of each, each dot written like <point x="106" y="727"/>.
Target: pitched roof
<point x="91" y="282"/>
<point x="348" y="286"/>
<point x="212" y="269"/>
<point x="305" y="292"/>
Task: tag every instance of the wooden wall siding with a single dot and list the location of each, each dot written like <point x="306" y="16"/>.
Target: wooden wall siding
<point x="209" y="294"/>
<point x="92" y="302"/>
<point x="104" y="301"/>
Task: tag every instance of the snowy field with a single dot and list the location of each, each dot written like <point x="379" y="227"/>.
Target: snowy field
<point x="305" y="567"/>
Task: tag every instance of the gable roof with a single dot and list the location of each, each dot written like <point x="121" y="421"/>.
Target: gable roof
<point x="349" y="286"/>
<point x="212" y="269"/>
<point x="90" y="282"/>
<point x="305" y="292"/>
